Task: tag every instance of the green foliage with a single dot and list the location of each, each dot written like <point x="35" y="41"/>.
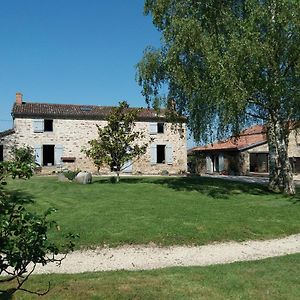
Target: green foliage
<point x="112" y="179"/>
<point x="117" y="142"/>
<point x="71" y="174"/>
<point x="228" y="64"/>
<point x="21" y="166"/>
<point x="23" y="234"/>
<point x="23" y="155"/>
<point x="225" y="63"/>
<point x="164" y="173"/>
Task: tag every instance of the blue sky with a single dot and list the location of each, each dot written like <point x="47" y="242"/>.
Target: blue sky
<point x="72" y="51"/>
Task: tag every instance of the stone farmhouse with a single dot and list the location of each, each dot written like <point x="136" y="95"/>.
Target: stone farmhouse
<point x="58" y="133"/>
<point x="242" y="155"/>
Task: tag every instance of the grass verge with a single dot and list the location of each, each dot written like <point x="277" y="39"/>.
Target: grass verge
<point x="275" y="278"/>
<point x="163" y="210"/>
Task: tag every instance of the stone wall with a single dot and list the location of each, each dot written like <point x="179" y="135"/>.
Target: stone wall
<point x="259" y="149"/>
<point x="294" y="144"/>
<point x="73" y="136"/>
<point x="8" y="142"/>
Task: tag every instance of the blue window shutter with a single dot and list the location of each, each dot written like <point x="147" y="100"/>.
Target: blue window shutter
<point x="153" y="128"/>
<point x="58" y="153"/>
<point x="38" y="125"/>
<point x="38" y="154"/>
<point x="153" y="154"/>
<point x="169" y="154"/>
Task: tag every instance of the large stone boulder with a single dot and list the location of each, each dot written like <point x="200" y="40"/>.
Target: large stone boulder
<point x="84" y="178"/>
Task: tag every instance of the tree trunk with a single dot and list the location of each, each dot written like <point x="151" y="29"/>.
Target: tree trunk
<point x="118" y="177"/>
<point x="274" y="182"/>
<point x="280" y="171"/>
<point x="285" y="174"/>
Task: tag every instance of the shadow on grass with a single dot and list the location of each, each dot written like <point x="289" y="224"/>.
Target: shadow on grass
<point x="20" y="197"/>
<point x="213" y="187"/>
<point x="6" y="296"/>
<point x="296" y="198"/>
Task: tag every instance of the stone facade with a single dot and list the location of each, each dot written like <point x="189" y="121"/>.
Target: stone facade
<point x="7" y="141"/>
<point x="294" y="144"/>
<point x="69" y="136"/>
<point x="244" y="161"/>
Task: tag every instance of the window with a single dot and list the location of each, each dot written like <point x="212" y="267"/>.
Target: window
<point x="160" y="127"/>
<point x="48" y="125"/>
<point x="161" y="154"/>
<point x="155" y="128"/>
<point x="48" y="155"/>
<point x="41" y="125"/>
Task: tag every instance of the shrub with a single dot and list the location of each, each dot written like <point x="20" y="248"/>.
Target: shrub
<point x="113" y="179"/>
<point x="164" y="173"/>
<point x="71" y="174"/>
<point x="23" y="234"/>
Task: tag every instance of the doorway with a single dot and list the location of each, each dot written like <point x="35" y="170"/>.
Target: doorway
<point x="48" y="155"/>
<point x="259" y="162"/>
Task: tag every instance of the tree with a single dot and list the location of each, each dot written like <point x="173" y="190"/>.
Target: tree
<point x="117" y="142"/>
<point x="228" y="64"/>
<point x="23" y="234"/>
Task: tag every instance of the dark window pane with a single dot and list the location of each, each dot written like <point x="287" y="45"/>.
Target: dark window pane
<point x="48" y="125"/>
<point x="160" y="127"/>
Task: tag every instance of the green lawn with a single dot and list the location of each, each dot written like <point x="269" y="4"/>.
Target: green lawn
<point x="163" y="210"/>
<point x="276" y="278"/>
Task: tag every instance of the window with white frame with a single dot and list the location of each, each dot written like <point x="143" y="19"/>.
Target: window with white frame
<point x="161" y="154"/>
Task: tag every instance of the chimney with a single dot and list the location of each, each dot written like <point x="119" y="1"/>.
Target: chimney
<point x="19" y="98"/>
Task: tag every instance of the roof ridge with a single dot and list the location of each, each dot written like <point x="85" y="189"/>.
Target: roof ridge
<point x="94" y="105"/>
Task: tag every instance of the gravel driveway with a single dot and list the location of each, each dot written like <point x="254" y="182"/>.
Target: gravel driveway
<point x="152" y="257"/>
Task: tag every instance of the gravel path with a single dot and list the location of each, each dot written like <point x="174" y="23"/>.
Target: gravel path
<point x="148" y="257"/>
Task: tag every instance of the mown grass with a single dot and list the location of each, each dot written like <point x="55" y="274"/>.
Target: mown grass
<point x="163" y="210"/>
<point x="276" y="278"/>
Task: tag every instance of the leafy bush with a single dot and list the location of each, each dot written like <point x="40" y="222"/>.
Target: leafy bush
<point x="23" y="155"/>
<point x="71" y="174"/>
<point x="164" y="173"/>
<point x="113" y="179"/>
<point x="23" y="234"/>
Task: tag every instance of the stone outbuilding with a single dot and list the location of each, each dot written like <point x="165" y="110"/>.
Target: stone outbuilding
<point x="242" y="155"/>
<point x="59" y="132"/>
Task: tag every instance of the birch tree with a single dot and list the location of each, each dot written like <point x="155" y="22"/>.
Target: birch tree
<point x="117" y="142"/>
<point x="229" y="64"/>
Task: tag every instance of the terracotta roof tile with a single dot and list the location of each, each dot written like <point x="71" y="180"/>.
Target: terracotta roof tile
<point x="248" y="138"/>
<point x="71" y="111"/>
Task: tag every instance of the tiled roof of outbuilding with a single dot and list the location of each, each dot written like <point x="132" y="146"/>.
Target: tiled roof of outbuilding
<point x="72" y="111"/>
<point x="250" y="137"/>
<point x="6" y="132"/>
